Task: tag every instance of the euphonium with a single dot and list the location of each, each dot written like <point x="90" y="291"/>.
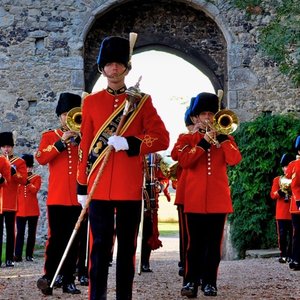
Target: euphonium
<point x="74" y="119"/>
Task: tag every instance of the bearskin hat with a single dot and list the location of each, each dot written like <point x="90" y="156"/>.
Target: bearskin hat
<point x="205" y="102"/>
<point x="114" y="49"/>
<point x="66" y="102"/>
<point x="28" y="159"/>
<point x="6" y="139"/>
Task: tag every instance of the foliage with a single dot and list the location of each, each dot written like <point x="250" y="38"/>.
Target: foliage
<point x="262" y="142"/>
<point x="280" y="39"/>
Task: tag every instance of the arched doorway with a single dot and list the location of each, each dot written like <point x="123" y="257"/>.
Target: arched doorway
<point x="176" y="27"/>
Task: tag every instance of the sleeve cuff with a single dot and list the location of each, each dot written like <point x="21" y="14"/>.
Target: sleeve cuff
<point x="60" y="146"/>
<point x="222" y="137"/>
<point x="81" y="189"/>
<point x="2" y="179"/>
<point x="204" y="144"/>
<point x="134" y="146"/>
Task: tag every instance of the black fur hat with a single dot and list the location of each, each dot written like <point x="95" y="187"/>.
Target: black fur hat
<point x="28" y="159"/>
<point x="66" y="102"/>
<point x="205" y="102"/>
<point x="6" y="139"/>
<point x="286" y="159"/>
<point x="114" y="49"/>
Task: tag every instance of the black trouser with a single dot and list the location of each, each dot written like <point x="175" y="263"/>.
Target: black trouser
<point x="62" y="220"/>
<point x="147" y="233"/>
<point x="101" y="215"/>
<point x="182" y="235"/>
<point x="296" y="237"/>
<point x="21" y="225"/>
<point x="9" y="217"/>
<point x="285" y="236"/>
<point x="205" y="232"/>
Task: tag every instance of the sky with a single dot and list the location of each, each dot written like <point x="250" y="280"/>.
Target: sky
<point x="171" y="81"/>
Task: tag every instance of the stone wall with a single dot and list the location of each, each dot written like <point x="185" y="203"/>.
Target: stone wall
<point x="49" y="47"/>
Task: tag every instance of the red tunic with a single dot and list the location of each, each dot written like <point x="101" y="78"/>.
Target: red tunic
<point x="62" y="169"/>
<point x="10" y="191"/>
<point x="282" y="207"/>
<point x="293" y="172"/>
<point x="122" y="177"/>
<point x="4" y="170"/>
<point x="28" y="205"/>
<point x="181" y="173"/>
<point x="206" y="182"/>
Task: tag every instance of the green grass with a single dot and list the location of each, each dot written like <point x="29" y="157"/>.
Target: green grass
<point x="36" y="248"/>
<point x="168" y="229"/>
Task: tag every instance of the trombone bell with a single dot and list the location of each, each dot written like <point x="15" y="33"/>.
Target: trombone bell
<point x="74" y="119"/>
<point x="225" y="121"/>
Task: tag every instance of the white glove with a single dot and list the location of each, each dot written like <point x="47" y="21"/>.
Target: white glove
<point x="82" y="200"/>
<point x="118" y="142"/>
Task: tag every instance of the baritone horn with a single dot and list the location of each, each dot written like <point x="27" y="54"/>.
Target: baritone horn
<point x="74" y="119"/>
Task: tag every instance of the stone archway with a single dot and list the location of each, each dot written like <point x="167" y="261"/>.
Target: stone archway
<point x="171" y="26"/>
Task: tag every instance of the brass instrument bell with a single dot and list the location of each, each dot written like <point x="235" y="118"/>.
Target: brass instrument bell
<point x="74" y="119"/>
<point x="168" y="167"/>
<point x="285" y="184"/>
<point x="225" y="121"/>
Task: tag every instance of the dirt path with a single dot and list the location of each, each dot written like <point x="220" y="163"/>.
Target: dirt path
<point x="260" y="278"/>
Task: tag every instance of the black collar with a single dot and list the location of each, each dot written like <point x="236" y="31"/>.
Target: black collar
<point x="116" y="92"/>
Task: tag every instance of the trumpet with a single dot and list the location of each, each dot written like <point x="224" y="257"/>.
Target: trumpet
<point x="74" y="119"/>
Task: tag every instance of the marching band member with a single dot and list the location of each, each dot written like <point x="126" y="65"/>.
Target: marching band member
<point x="293" y="173"/>
<point x="119" y="190"/>
<point x="280" y="192"/>
<point x="205" y="155"/>
<point x="8" y="207"/>
<point x="28" y="211"/>
<point x="59" y="150"/>
<point x="179" y="185"/>
<point x="155" y="183"/>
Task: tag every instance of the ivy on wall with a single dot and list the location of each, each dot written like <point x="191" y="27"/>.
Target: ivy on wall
<point x="280" y="39"/>
<point x="262" y="142"/>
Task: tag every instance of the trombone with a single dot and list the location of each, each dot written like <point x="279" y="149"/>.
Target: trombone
<point x="225" y="121"/>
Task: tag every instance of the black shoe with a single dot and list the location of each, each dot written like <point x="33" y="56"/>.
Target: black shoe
<point x="84" y="281"/>
<point x="58" y="281"/>
<point x="210" y="290"/>
<point x="146" y="269"/>
<point x="17" y="258"/>
<point x="44" y="285"/>
<point x="29" y="258"/>
<point x="70" y="288"/>
<point x="9" y="264"/>
<point x="282" y="260"/>
<point x="190" y="290"/>
<point x="294" y="265"/>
